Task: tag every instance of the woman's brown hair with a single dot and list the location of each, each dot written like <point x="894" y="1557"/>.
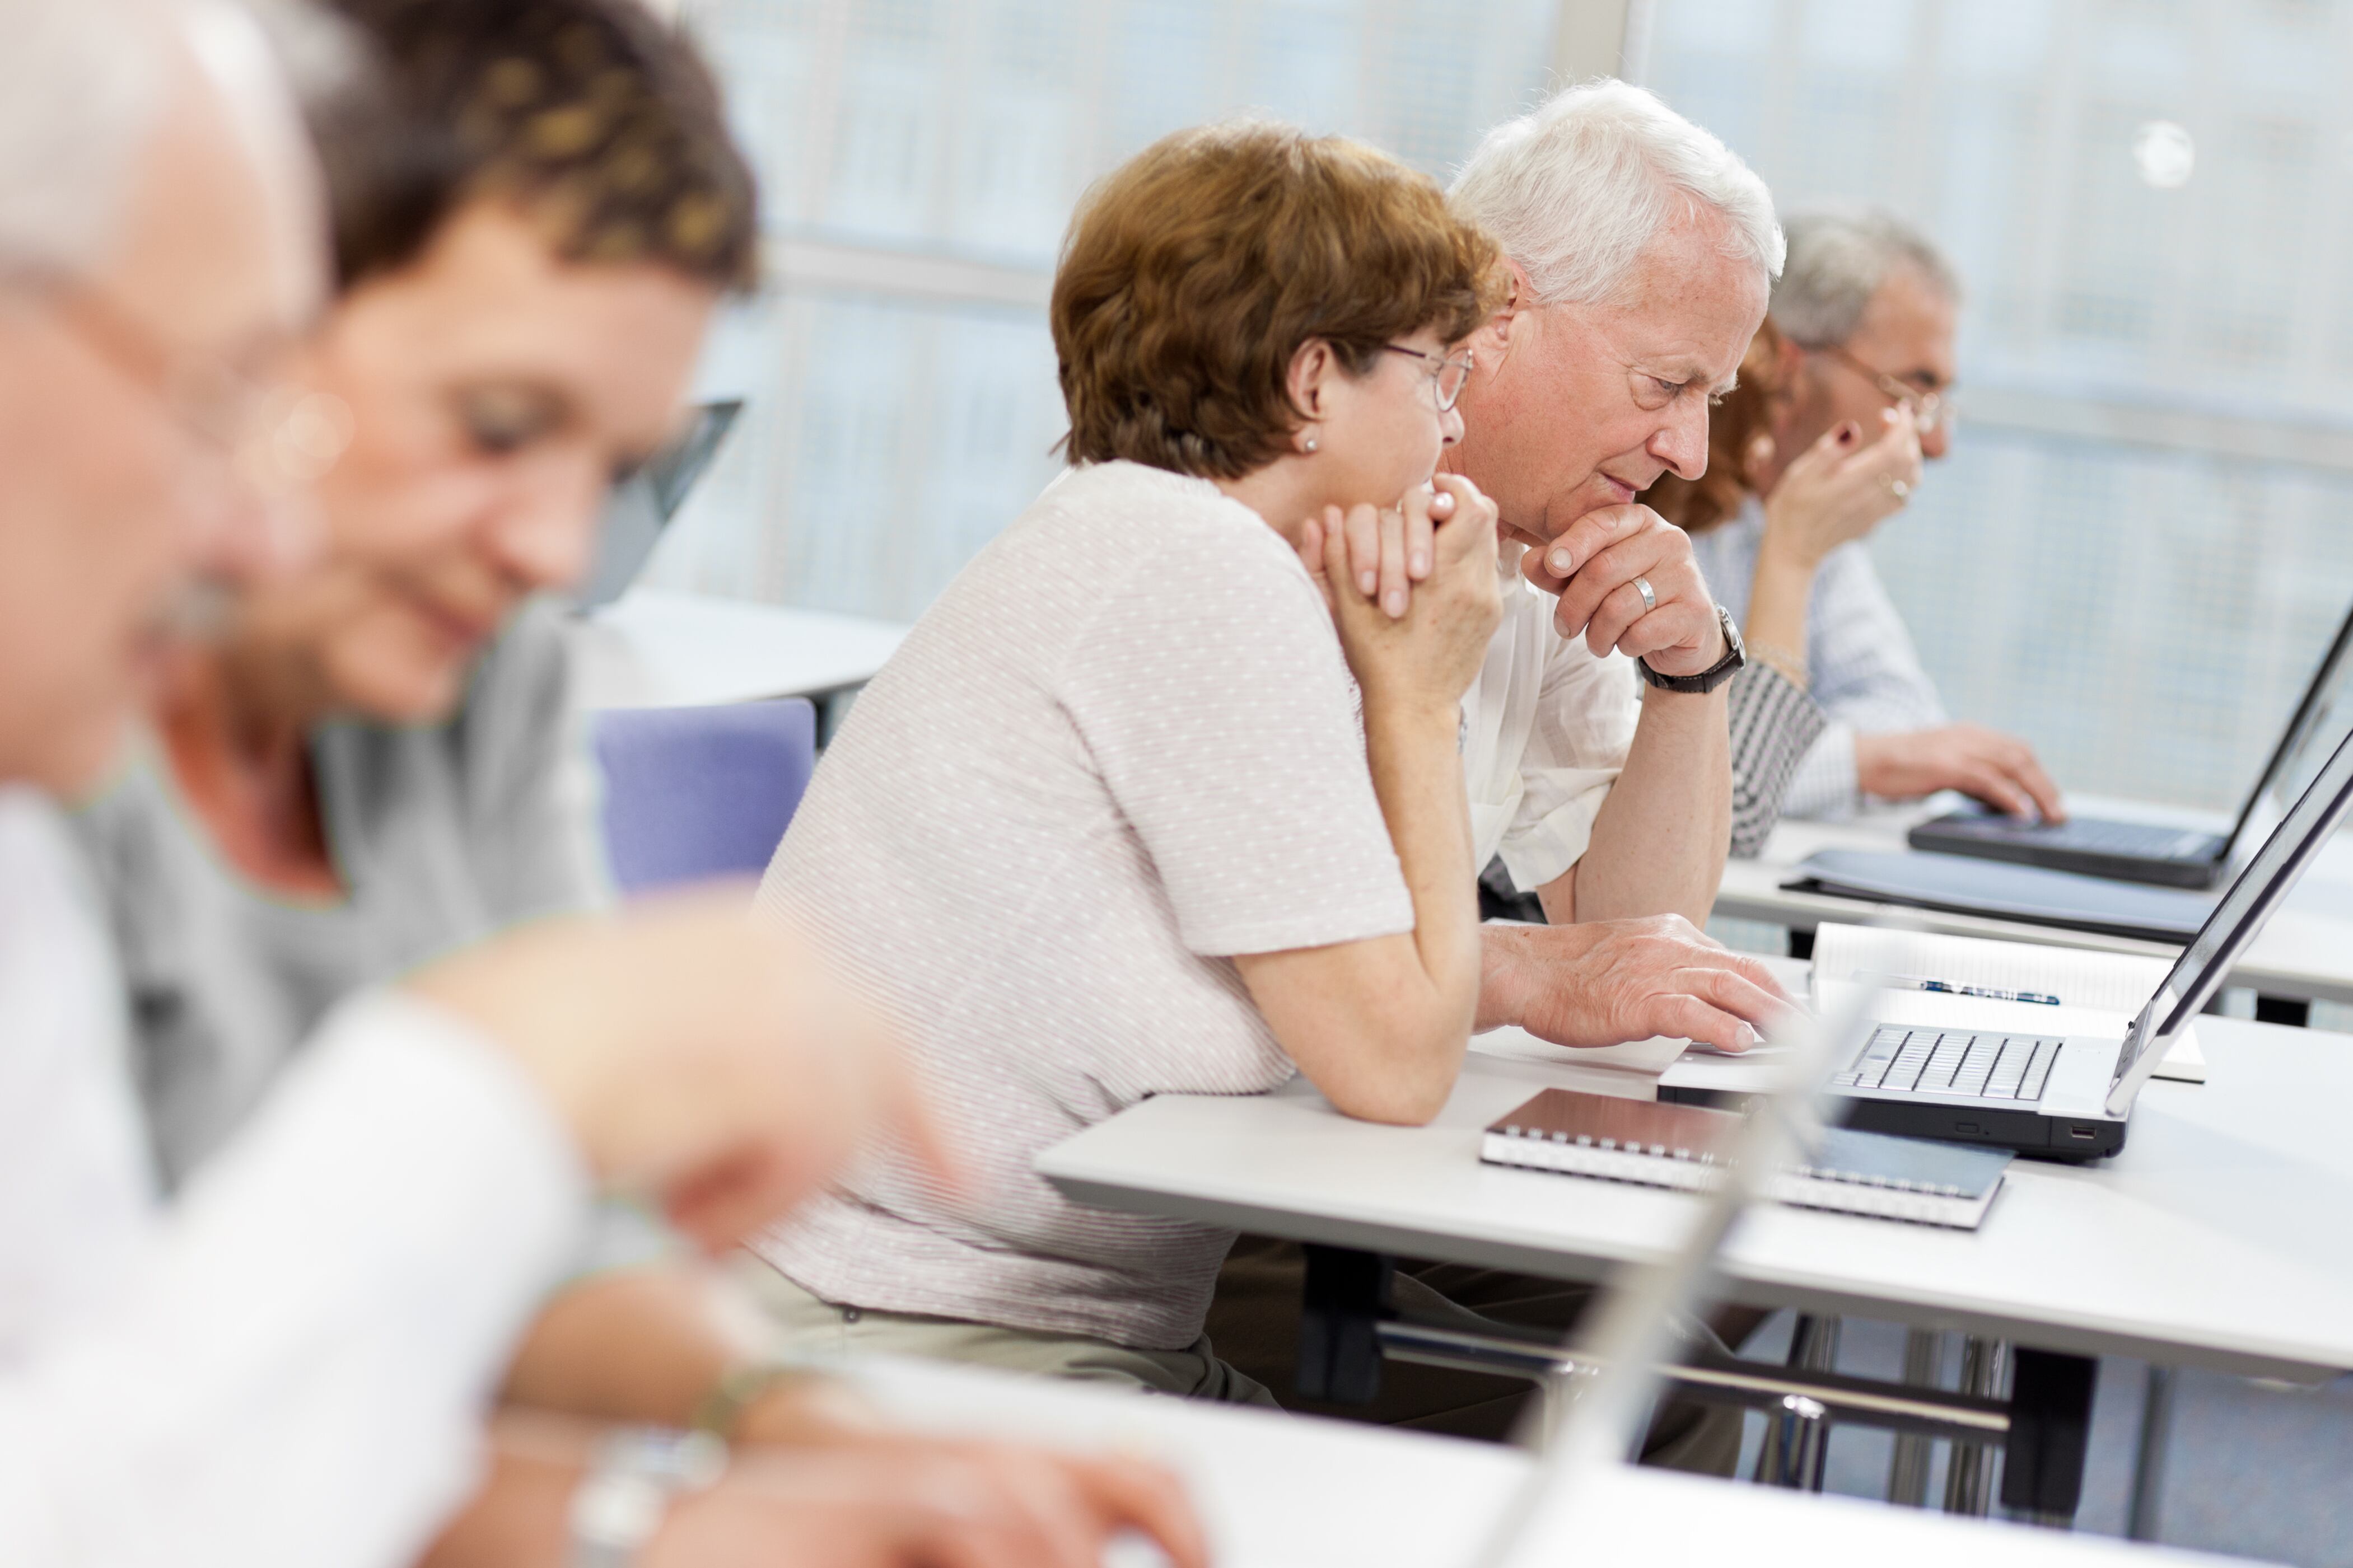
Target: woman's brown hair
<point x="592" y="116"/>
<point x="1732" y="427"/>
<point x="1194" y="272"/>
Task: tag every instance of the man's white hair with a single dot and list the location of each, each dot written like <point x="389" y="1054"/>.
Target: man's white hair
<point x="81" y="84"/>
<point x="1838" y="259"/>
<point x="1576" y="190"/>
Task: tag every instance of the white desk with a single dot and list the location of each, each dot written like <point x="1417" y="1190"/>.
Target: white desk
<point x="2304" y="953"/>
<point x="658" y="649"/>
<point x="1288" y="1491"/>
<point x="2217" y="1238"/>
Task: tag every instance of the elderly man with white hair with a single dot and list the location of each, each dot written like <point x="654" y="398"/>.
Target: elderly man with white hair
<point x="1642" y="254"/>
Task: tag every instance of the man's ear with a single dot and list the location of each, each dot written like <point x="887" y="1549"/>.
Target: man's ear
<point x="1491" y="342"/>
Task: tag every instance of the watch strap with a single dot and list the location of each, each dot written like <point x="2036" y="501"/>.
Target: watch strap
<point x="1735" y="659"/>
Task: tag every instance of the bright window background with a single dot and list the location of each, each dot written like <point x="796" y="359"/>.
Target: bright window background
<point x="920" y="160"/>
<point x="2144" y="535"/>
<point x="2144" y="608"/>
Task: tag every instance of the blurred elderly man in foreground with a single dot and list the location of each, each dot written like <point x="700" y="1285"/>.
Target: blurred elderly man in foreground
<point x="290" y="1366"/>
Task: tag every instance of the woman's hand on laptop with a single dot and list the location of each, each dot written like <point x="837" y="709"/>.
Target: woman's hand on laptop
<point x="1605" y="983"/>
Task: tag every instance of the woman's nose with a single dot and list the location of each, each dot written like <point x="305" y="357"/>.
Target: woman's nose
<point x="546" y="535"/>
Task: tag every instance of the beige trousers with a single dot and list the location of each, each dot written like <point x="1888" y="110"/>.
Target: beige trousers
<point x="809" y="1327"/>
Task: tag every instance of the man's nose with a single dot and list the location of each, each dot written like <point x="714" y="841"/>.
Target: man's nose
<point x="1935" y="441"/>
<point x="1450" y="425"/>
<point x="1681" y="442"/>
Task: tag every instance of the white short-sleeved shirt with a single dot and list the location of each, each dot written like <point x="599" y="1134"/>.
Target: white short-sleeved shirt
<point x="1122" y="747"/>
<point x="1546" y="727"/>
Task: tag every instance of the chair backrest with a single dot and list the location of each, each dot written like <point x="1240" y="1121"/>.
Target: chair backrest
<point x="696" y="793"/>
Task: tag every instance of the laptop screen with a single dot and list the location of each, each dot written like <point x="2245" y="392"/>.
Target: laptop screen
<point x="2323" y="716"/>
<point x="2245" y="906"/>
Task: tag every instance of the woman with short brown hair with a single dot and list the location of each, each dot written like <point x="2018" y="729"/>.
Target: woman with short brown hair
<point x="1108" y="826"/>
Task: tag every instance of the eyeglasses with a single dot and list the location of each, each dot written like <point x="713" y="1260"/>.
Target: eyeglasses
<point x="1447" y="376"/>
<point x="1931" y="411"/>
<point x="275" y="438"/>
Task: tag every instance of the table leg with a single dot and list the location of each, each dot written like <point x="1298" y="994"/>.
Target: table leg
<point x="1908" y="1476"/>
<point x="1968" y="1476"/>
<point x="2149" y="1459"/>
<point x="1798" y="1433"/>
<point x="2292" y="1011"/>
<point x="2050" y="1429"/>
<point x="1813" y="1347"/>
<point x="1346" y="1294"/>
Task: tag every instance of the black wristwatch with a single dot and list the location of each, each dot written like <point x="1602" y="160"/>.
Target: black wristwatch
<point x="1736" y="658"/>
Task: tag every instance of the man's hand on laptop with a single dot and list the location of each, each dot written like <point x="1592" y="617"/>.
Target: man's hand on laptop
<point x="1605" y="983"/>
<point x="1997" y="769"/>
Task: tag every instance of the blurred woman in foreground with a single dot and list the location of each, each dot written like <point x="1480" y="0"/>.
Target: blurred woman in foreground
<point x="537" y="207"/>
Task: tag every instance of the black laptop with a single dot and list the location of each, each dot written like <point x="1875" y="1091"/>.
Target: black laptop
<point x="2143" y="852"/>
<point x="1942" y="1065"/>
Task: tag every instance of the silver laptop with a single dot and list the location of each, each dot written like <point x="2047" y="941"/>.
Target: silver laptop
<point x="2068" y="1096"/>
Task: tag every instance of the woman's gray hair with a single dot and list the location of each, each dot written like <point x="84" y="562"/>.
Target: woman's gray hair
<point x="1576" y="190"/>
<point x="81" y="84"/>
<point x="1838" y="259"/>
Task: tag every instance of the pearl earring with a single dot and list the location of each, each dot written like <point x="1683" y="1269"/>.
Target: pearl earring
<point x="1311" y="443"/>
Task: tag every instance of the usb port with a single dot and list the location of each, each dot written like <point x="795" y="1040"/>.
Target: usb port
<point x="2085" y="1133"/>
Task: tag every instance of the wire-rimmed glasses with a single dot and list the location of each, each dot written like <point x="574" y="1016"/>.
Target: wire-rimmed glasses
<point x="1931" y="411"/>
<point x="1448" y="377"/>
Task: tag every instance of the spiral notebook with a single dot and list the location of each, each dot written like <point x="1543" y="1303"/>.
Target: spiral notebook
<point x="1663" y="1146"/>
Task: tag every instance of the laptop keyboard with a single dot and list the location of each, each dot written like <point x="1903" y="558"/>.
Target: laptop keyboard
<point x="2125" y="839"/>
<point x="1953" y="1061"/>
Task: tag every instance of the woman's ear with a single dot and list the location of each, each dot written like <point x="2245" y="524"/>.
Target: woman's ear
<point x="1311" y="370"/>
<point x="1309" y="385"/>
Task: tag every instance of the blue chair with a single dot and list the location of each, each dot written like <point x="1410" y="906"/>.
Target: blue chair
<point x="696" y="793"/>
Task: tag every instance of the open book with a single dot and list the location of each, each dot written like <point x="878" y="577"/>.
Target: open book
<point x="2099" y="991"/>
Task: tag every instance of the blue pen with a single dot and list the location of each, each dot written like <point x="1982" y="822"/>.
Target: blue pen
<point x="1987" y="992"/>
<point x="1990" y="993"/>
